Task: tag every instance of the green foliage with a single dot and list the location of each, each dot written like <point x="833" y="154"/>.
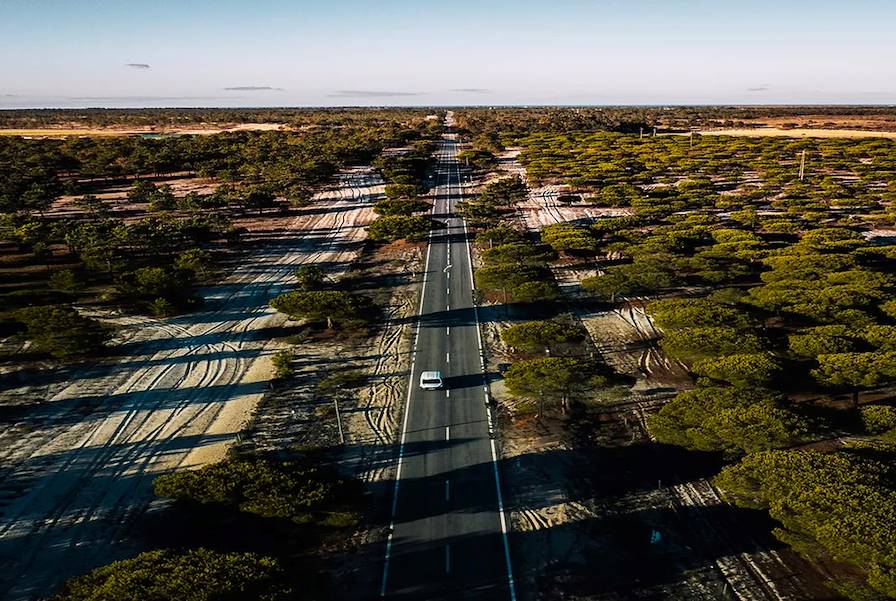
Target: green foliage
<point x="556" y="379"/>
<point x="731" y="420"/>
<point x="524" y="282"/>
<point x="195" y="260"/>
<point x="842" y="504"/>
<point x="697" y="313"/>
<point x="282" y="361"/>
<point x="401" y="206"/>
<point x="877" y="419"/>
<point x="148" y="284"/>
<point x="397" y="227"/>
<point x="498" y="236"/>
<point x="543" y="335"/>
<point x="257" y="486"/>
<point x="61" y="331"/>
<point x="693" y="344"/>
<point x="395" y="191"/>
<point x="193" y="575"/>
<point x="743" y="370"/>
<point x="310" y="277"/>
<point x="812" y="342"/>
<point x="519" y="252"/>
<point x="65" y="280"/>
<point x="329" y="305"/>
<point x="856" y="370"/>
<point x="569" y="238"/>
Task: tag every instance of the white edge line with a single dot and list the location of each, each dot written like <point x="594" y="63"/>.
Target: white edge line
<point x="488" y="411"/>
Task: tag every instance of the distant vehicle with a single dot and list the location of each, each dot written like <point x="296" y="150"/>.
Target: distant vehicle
<point x="431" y="380"/>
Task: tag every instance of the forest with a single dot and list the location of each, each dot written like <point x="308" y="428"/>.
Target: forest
<point x="772" y="284"/>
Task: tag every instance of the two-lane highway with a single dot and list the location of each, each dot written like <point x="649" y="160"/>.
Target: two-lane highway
<point x="448" y="537"/>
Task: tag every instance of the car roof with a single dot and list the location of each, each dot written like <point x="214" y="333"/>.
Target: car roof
<point x="431" y="374"/>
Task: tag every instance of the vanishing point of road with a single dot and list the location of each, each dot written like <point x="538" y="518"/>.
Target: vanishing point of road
<point x="448" y="538"/>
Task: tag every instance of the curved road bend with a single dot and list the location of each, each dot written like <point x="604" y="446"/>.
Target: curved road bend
<point x="448" y="538"/>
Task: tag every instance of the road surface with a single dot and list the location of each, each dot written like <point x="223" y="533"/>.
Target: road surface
<point x="448" y="537"/>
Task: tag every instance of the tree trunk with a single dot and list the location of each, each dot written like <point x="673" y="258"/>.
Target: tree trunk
<point x="855" y="398"/>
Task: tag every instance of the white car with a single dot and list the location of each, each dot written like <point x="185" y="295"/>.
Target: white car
<point x="431" y="380"/>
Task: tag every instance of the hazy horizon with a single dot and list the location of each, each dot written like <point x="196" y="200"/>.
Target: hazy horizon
<point x="140" y="54"/>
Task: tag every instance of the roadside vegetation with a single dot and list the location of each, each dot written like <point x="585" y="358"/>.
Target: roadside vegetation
<point x="773" y="291"/>
<point x="68" y="247"/>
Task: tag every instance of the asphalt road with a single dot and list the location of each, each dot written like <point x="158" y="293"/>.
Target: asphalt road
<point x="449" y="537"/>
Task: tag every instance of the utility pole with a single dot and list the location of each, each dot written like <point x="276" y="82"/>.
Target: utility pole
<point x="802" y="164"/>
<point x="339" y="421"/>
<point x="641" y="134"/>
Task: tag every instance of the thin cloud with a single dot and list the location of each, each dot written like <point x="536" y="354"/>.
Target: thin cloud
<point x="369" y="94"/>
<point x="759" y="89"/>
<point x="138" y="98"/>
<point x="252" y="89"/>
<point x="471" y="90"/>
<point x="137" y="65"/>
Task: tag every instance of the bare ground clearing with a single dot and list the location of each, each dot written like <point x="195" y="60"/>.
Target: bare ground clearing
<point x="83" y="444"/>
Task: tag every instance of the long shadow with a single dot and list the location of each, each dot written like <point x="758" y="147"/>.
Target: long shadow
<point x="616" y="553"/>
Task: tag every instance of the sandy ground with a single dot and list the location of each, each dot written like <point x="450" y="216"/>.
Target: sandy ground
<point x="78" y="463"/>
<point x="542" y="207"/>
<point x="762" y="132"/>
<point x="65" y="132"/>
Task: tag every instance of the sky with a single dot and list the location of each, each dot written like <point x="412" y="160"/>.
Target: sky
<point x="137" y="53"/>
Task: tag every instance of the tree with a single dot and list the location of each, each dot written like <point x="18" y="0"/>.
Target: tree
<point x="822" y="340"/>
<point x="141" y="191"/>
<point x="514" y="278"/>
<point x="401" y="206"/>
<point x="195" y="260"/>
<point x="174" y="286"/>
<point x="310" y="277"/>
<point x="555" y="379"/>
<point x="270" y="489"/>
<point x="543" y="335"/>
<point x="499" y="235"/>
<point x="838" y="504"/>
<point x="856" y="371"/>
<point x="162" y="199"/>
<point x="282" y="361"/>
<point x="329" y="305"/>
<point x="569" y="238"/>
<point x="394" y="191"/>
<point x="396" y="227"/>
<point x="743" y="370"/>
<point x="516" y="253"/>
<point x="692" y="344"/>
<point x="61" y="331"/>
<point x="677" y="313"/>
<point x="192" y="575"/>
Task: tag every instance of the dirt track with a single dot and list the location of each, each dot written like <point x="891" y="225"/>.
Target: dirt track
<point x="77" y="465"/>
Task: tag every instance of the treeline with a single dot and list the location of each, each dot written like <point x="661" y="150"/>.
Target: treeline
<point x="174" y="117"/>
<point x="33" y="173"/>
<point x="509" y="122"/>
<point x="153" y="263"/>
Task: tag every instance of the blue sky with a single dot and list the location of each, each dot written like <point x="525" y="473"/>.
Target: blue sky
<point x="400" y="52"/>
